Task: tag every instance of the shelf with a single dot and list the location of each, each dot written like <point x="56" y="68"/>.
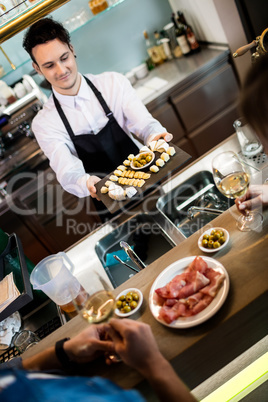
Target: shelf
<point x="41" y="11"/>
<point x="28" y="17"/>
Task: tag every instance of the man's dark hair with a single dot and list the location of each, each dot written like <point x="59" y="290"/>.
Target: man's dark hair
<point x="43" y="31"/>
<point x="254" y="96"/>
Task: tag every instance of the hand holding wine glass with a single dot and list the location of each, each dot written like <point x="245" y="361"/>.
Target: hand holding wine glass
<point x="95" y="303"/>
<point x="232" y="179"/>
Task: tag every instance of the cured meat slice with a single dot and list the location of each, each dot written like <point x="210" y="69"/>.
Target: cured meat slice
<point x="183" y="285"/>
<point x="216" y="279"/>
<point x="202" y="304"/>
<point x="198" y="264"/>
<point x="169" y="314"/>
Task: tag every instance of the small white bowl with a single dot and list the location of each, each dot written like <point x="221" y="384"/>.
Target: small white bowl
<point x="213" y="250"/>
<point x="140" y="71"/>
<point x="124" y="292"/>
<point x="147" y="164"/>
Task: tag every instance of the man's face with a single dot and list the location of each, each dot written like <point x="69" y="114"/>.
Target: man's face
<point x="56" y="62"/>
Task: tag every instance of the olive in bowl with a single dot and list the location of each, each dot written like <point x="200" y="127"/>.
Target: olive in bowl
<point x="142" y="160"/>
<point x="214" y="239"/>
<point x="128" y="302"/>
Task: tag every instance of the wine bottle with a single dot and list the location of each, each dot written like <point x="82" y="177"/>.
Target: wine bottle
<point x="191" y="38"/>
<point x="180" y="31"/>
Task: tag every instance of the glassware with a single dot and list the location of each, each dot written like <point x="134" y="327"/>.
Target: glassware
<point x="249" y="142"/>
<point x="95" y="301"/>
<point x="53" y="275"/>
<point x="24" y="340"/>
<point x="232" y="179"/>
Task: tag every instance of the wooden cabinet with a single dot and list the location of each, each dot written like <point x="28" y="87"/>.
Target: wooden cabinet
<point x="201" y="109"/>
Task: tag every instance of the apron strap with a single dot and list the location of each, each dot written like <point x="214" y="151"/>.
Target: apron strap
<point x="63" y="117"/>
<point x="104" y="105"/>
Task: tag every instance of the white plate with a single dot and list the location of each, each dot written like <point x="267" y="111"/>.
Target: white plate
<point x="147" y="164"/>
<point x="124" y="292"/>
<point x="213" y="250"/>
<point x="177" y="268"/>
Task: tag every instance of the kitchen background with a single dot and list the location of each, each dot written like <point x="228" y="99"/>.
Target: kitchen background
<point x="113" y="40"/>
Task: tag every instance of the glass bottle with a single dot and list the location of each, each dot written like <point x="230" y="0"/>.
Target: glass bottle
<point x="159" y="45"/>
<point x="191" y="38"/>
<point x="180" y="30"/>
<point x="152" y="50"/>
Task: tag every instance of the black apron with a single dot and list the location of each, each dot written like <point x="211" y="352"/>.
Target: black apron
<point x="101" y="153"/>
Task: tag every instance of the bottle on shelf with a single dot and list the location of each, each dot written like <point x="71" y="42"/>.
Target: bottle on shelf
<point x="159" y="45"/>
<point x="169" y="33"/>
<point x="191" y="38"/>
<point x="180" y="31"/>
<point x="152" y="50"/>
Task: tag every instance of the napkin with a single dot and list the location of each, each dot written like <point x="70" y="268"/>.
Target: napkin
<point x="8" y="328"/>
<point x="8" y="291"/>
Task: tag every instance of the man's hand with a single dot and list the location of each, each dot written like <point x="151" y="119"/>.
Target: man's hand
<point x="89" y="344"/>
<point x="135" y="344"/>
<point x="256" y="196"/>
<point x="167" y="137"/>
<point x="91" y="181"/>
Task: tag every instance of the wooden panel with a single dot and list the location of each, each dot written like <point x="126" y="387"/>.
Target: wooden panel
<point x="215" y="131"/>
<point x="167" y="117"/>
<point x="211" y="95"/>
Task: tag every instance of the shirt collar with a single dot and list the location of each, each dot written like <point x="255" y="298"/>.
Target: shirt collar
<point x="70" y="100"/>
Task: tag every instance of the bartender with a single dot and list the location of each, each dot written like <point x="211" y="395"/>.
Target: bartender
<point x="85" y="127"/>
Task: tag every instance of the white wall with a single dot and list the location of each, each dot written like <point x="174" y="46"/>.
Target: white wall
<point x="203" y="17"/>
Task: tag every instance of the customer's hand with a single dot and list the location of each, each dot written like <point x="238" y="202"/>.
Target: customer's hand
<point x="135" y="344"/>
<point x="256" y="196"/>
<point x="91" y="181"/>
<point x="89" y="344"/>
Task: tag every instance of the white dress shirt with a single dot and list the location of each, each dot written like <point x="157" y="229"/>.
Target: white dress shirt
<point x="85" y="115"/>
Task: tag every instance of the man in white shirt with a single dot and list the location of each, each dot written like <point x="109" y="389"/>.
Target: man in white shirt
<point x="85" y="126"/>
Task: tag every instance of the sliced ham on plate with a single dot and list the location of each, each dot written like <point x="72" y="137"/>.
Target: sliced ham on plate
<point x="190" y="292"/>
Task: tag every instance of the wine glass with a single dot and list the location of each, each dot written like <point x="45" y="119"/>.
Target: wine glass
<point x="95" y="303"/>
<point x="232" y="179"/>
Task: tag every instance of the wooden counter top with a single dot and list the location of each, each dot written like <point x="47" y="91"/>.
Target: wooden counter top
<point x="246" y="260"/>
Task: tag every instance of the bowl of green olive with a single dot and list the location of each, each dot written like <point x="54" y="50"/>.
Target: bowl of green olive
<point x="142" y="160"/>
<point x="213" y="240"/>
<point x="128" y="302"/>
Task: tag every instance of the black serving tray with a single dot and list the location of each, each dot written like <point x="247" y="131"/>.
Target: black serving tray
<point x="12" y="259"/>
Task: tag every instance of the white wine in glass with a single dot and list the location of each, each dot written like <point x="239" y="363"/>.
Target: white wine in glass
<point x="96" y="301"/>
<point x="232" y="179"/>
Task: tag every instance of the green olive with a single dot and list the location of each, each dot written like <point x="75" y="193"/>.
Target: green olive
<point x="212" y="232"/>
<point x="119" y="304"/>
<point x="124" y="304"/>
<point x="216" y="244"/>
<point x="135" y="297"/>
<point x="205" y="243"/>
<point x="122" y="298"/>
<point x="128" y="298"/>
<point x="222" y="240"/>
<point x="216" y="236"/>
<point x="133" y="305"/>
<point x="206" y="237"/>
<point x="127" y="309"/>
<point x="210" y="243"/>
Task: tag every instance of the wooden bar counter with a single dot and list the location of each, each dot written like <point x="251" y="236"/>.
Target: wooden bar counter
<point x="198" y="352"/>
